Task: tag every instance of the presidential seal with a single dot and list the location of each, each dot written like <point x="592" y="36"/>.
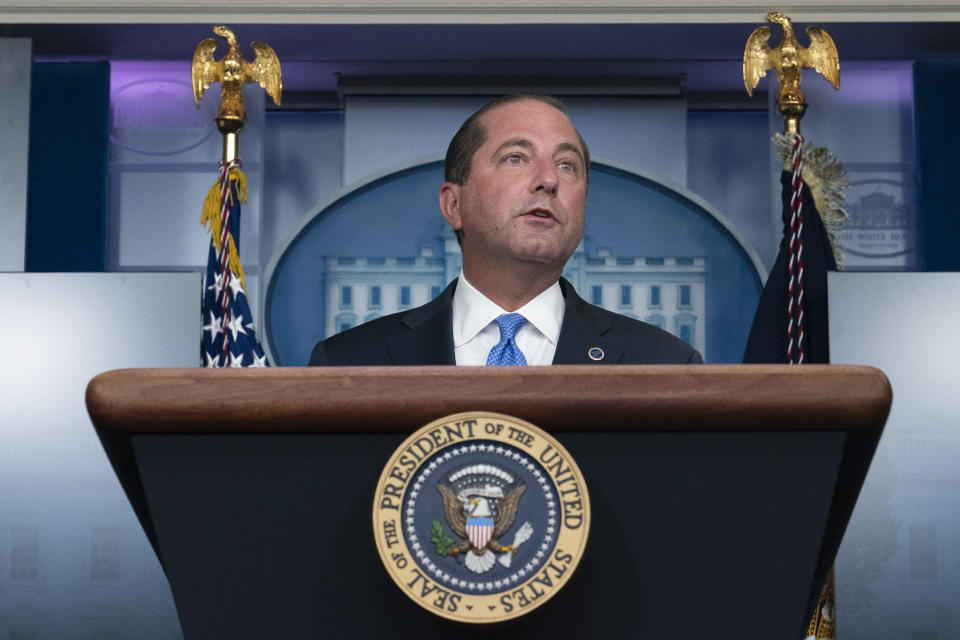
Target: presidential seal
<point x="480" y="517"/>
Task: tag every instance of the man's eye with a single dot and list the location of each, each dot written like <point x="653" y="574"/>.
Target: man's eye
<point x="566" y="165"/>
<point x="513" y="158"/>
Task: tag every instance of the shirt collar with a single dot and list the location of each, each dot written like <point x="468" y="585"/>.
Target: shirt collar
<point x="472" y="311"/>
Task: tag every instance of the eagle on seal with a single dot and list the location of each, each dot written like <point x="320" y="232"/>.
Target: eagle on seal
<point x="480" y="543"/>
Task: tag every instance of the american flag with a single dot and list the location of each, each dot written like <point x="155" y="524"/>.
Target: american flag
<point x="229" y="339"/>
<point x="790" y="324"/>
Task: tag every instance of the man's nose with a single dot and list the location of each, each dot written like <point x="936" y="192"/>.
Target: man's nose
<point x="545" y="177"/>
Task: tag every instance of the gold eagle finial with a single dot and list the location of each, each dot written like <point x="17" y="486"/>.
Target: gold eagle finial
<point x="789" y="59"/>
<point x="232" y="72"/>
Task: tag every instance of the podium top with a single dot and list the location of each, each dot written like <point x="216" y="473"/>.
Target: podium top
<point x="385" y="399"/>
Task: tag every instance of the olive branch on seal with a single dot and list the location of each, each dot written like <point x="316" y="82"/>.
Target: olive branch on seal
<point x="439" y="539"/>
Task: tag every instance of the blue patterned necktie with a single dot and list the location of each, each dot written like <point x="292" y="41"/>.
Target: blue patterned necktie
<point x="506" y="351"/>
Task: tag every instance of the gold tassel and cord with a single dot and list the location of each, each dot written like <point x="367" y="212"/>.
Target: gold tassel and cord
<point x="211" y="217"/>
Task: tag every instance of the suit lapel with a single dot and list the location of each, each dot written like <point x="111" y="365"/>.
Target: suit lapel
<point x="582" y="332"/>
<point x="429" y="339"/>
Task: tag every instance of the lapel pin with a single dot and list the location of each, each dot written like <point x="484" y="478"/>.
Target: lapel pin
<point x="595" y="353"/>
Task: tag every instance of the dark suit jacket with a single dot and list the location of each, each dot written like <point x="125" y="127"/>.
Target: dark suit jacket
<point x="424" y="336"/>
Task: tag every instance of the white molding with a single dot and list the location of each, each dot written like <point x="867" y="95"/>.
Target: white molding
<point x="468" y="11"/>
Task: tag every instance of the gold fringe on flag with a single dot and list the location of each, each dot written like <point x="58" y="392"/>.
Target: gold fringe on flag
<point x="823" y="624"/>
<point x="824" y="174"/>
<point x="211" y="217"/>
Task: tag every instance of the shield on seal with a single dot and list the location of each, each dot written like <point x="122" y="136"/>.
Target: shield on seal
<point x="479" y="530"/>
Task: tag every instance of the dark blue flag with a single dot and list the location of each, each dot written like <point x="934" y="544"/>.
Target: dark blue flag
<point x="790" y="325"/>
<point x="770" y="335"/>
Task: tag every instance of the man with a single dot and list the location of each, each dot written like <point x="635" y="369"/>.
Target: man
<point x="515" y="193"/>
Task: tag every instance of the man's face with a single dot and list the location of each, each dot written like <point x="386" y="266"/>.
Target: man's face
<point x="525" y="197"/>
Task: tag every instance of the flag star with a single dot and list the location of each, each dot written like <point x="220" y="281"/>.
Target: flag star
<point x="213" y="327"/>
<point x="211" y="361"/>
<point x="259" y="361"/>
<point x="217" y="285"/>
<point x="236" y="326"/>
<point x="236" y="362"/>
<point x="236" y="287"/>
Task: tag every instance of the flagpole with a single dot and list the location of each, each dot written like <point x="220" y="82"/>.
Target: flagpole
<point x="231" y="140"/>
<point x="228" y="337"/>
<point x="789" y="59"/>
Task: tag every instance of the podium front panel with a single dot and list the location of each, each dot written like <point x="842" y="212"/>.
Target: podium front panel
<point x="271" y="536"/>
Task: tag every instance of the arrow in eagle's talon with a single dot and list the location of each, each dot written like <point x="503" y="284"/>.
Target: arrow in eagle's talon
<point x="521" y="536"/>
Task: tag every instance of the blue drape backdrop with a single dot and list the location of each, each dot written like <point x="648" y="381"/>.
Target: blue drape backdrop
<point x="67" y="181"/>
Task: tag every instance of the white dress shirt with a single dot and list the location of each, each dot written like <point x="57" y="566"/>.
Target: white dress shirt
<point x="475" y="330"/>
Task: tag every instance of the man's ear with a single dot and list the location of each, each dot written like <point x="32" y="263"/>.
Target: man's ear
<point x="450" y="204"/>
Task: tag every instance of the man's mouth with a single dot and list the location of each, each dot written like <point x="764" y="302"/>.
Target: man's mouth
<point x="540" y="213"/>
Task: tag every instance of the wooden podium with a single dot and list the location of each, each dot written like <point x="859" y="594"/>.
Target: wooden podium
<point x="719" y="493"/>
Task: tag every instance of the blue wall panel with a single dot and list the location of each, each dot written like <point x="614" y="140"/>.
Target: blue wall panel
<point x="936" y="91"/>
<point x="67" y="183"/>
